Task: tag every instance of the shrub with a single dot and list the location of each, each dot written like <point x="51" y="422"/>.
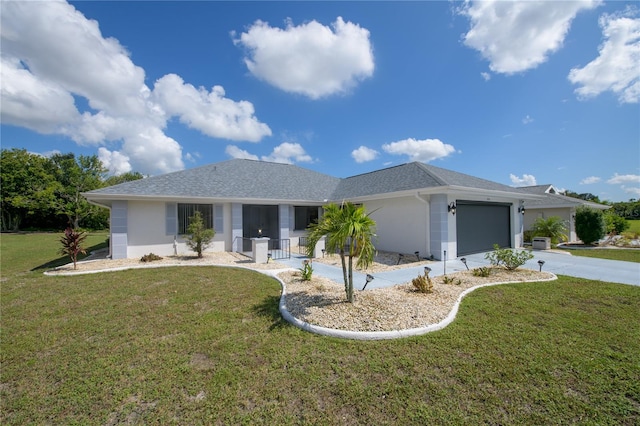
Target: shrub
<point x="553" y="227"/>
<point x="199" y="235"/>
<point x="527" y="236"/>
<point x="615" y="224"/>
<point x="150" y="257"/>
<point x="590" y="226"/>
<point x="306" y="271"/>
<point x="510" y="259"/>
<point x="72" y="245"/>
<point x="423" y="283"/>
<point x="482" y="271"/>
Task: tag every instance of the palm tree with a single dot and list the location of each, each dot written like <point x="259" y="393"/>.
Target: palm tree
<point x="349" y="231"/>
<point x="553" y="227"/>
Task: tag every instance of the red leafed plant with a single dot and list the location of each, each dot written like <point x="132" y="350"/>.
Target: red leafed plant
<point x="72" y="244"/>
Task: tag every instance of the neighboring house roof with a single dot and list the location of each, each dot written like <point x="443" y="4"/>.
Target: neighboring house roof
<point x="241" y="179"/>
<point x="554" y="200"/>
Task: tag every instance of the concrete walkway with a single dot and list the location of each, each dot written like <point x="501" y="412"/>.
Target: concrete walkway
<point x="555" y="262"/>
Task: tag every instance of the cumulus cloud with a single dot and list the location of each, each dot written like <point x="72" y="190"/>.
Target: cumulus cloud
<point x="485" y="76"/>
<point x="622" y="179"/>
<point x="527" y="119"/>
<point x="515" y="36"/>
<point x="617" y="67"/>
<point x="364" y="154"/>
<point x="44" y="68"/>
<point x="310" y="59"/>
<point x="525" y="180"/>
<point x="420" y="150"/>
<point x="589" y="180"/>
<point x="286" y="152"/>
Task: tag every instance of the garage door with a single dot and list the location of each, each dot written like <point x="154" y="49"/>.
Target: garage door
<point x="481" y="225"/>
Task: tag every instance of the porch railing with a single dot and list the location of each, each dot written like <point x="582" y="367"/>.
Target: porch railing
<point x="278" y="248"/>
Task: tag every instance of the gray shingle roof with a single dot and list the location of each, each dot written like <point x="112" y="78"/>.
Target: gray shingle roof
<point x="250" y="179"/>
<point x="235" y="179"/>
<point x="556" y="200"/>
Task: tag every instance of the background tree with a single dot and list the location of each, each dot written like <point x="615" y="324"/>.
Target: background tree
<point x="75" y="176"/>
<point x="590" y="226"/>
<point x="553" y="227"/>
<point x="349" y="231"/>
<point x="615" y="224"/>
<point x="199" y="235"/>
<point x="25" y="184"/>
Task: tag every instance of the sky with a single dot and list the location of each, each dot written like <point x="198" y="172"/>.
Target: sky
<point x="517" y="92"/>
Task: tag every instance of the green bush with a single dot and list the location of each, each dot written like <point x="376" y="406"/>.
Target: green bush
<point x="615" y="224"/>
<point x="451" y="280"/>
<point x="150" y="257"/>
<point x="199" y="235"/>
<point x="423" y="283"/>
<point x="590" y="225"/>
<point x="510" y="259"/>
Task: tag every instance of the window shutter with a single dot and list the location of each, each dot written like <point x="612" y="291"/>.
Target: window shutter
<point x="218" y="222"/>
<point x="172" y="219"/>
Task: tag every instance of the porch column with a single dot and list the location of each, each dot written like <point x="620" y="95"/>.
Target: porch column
<point x="236" y="227"/>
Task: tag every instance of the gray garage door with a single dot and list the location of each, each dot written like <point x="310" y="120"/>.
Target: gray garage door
<point x="481" y="225"/>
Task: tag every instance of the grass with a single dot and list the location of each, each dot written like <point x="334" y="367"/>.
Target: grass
<point x="634" y="226"/>
<point x="627" y="255"/>
<point x="207" y="345"/>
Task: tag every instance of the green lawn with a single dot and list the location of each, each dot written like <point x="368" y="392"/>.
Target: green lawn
<point x="207" y="345"/>
<point x="627" y="255"/>
<point x="634" y="226"/>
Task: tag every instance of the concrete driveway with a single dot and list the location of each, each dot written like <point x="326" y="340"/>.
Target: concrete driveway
<point x="557" y="263"/>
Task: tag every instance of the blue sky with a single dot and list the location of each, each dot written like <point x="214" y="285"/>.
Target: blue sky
<point x="520" y="92"/>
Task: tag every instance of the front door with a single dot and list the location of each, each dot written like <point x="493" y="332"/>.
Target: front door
<point x="259" y="221"/>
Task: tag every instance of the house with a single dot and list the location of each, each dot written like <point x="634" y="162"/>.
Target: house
<point x="417" y="208"/>
<point x="555" y="204"/>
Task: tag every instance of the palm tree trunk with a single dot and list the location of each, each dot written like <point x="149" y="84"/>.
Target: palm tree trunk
<point x="350" y="285"/>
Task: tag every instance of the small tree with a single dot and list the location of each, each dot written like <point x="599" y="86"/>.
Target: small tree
<point x="590" y="226"/>
<point x="615" y="224"/>
<point x="199" y="235"/>
<point x="553" y="227"/>
<point x="72" y="244"/>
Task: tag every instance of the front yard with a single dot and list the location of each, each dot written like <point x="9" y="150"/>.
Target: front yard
<point x="207" y="345"/>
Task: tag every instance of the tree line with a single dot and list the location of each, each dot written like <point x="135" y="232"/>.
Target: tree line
<point x="44" y="193"/>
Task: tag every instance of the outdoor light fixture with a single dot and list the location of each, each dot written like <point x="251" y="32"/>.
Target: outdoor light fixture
<point x="540" y="262"/>
<point x="260" y="233"/>
<point x="451" y="208"/>
<point x="417" y="253"/>
<point x="323" y="250"/>
<point x="369" y="279"/>
<point x="521" y="209"/>
<point x="427" y="270"/>
<point x="464" y="260"/>
<point x="400" y="256"/>
<point x="268" y="257"/>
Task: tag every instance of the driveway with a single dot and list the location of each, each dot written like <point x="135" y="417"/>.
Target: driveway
<point x="558" y="263"/>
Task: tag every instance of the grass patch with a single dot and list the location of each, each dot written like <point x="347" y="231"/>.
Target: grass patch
<point x="634" y="226"/>
<point x="207" y="345"/>
<point x="627" y="255"/>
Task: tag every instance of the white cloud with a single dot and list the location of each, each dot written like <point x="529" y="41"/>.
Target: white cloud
<point x="617" y="67"/>
<point x="209" y="112"/>
<point x="42" y="69"/>
<point x="116" y="162"/>
<point x="364" y="154"/>
<point x="286" y="152"/>
<point x="310" y="59"/>
<point x="420" y="150"/>
<point x="525" y="180"/>
<point x="235" y="152"/>
<point x="633" y="190"/>
<point x="589" y="180"/>
<point x="486" y="76"/>
<point x="527" y="119"/>
<point x="621" y="179"/>
<point x="515" y="36"/>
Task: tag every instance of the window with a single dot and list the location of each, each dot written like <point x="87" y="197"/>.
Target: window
<point x="305" y="216"/>
<point x="186" y="211"/>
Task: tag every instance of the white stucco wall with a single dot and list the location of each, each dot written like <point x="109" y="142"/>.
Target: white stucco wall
<point x="402" y="225"/>
<point x="564" y="213"/>
<point x="147" y="231"/>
